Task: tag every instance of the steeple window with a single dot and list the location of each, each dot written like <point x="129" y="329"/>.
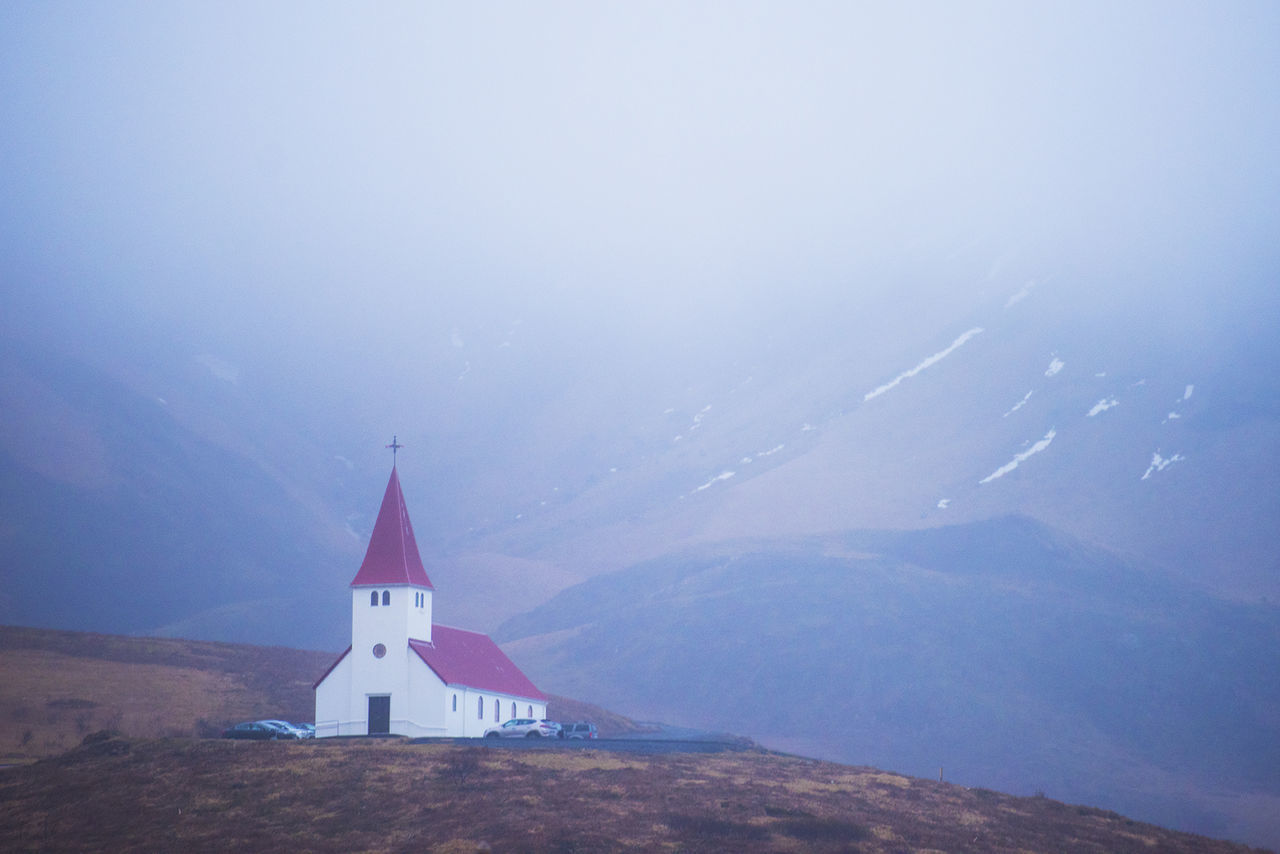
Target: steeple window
<point x="373" y="598"/>
<point x="480" y="709"/>
<point x="386" y="597"/>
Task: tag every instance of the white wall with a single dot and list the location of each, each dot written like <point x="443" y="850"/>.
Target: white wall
<point x="421" y="704"/>
<point x="333" y="702"/>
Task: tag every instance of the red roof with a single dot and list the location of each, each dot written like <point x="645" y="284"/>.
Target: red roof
<point x="470" y="659"/>
<point x="392" y="557"/>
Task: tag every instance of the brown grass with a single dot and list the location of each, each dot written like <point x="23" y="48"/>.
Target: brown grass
<point x="58" y="686"/>
<point x="141" y="793"/>
<point x="388" y="795"/>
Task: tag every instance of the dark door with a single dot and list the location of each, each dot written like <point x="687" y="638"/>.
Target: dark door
<point x="379" y="714"/>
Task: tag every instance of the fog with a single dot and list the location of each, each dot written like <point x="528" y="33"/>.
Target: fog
<point x="634" y="280"/>
<point x="314" y="185"/>
<point x="461" y="224"/>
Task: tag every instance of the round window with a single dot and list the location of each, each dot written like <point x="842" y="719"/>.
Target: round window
<point x="379" y="650"/>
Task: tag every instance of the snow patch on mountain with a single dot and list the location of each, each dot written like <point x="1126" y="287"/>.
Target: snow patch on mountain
<point x="1018" y="405"/>
<point x="943" y="502"/>
<point x="1102" y="406"/>
<point x="697" y="419"/>
<point x="1020" y="458"/>
<point x="724" y="475"/>
<point x="1187" y="394"/>
<point x="1054" y="366"/>
<point x="1020" y="295"/>
<point x="931" y="360"/>
<point x="1172" y="416"/>
<point x="1159" y="463"/>
<point x="759" y="454"/>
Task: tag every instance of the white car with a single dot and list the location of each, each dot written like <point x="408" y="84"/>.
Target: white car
<point x="524" y="728"/>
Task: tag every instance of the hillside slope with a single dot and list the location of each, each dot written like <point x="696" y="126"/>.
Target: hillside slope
<point x="238" y="493"/>
<point x="382" y="795"/>
<point x="1014" y="655"/>
<point x="58" y="686"/>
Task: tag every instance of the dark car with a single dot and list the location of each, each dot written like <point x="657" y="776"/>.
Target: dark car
<point x="578" y="729"/>
<point x="259" y="731"/>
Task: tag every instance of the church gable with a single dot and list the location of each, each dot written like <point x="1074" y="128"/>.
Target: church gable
<point x="332" y="667"/>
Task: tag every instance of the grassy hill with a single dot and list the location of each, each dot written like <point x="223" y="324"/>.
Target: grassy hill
<point x="1016" y="656"/>
<point x="59" y="686"/>
<point x="154" y="787"/>
<point x="390" y="795"/>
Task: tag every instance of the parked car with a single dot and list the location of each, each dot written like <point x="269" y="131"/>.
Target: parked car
<point x="524" y="728"/>
<point x="309" y="729"/>
<point x="260" y="731"/>
<point x="578" y="729"/>
<point x="298" y="730"/>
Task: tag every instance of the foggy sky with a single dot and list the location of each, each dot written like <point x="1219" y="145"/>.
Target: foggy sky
<point x="326" y="186"/>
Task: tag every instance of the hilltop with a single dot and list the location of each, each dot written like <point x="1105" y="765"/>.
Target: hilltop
<point x="170" y="789"/>
<point x="390" y="795"/>
<point x="59" y="686"/>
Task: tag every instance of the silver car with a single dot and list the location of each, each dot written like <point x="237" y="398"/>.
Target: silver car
<point x="524" y="728"/>
<point x="293" y="730"/>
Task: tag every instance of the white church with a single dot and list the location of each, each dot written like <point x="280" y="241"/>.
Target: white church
<point x="402" y="674"/>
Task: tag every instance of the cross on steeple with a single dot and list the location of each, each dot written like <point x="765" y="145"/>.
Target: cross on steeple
<point x="394" y="446"/>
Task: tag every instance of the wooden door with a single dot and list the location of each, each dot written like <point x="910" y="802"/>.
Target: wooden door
<point x="379" y="714"/>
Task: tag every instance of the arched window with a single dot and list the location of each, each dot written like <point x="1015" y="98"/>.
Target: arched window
<point x="513" y="708"/>
<point x="530" y="712"/>
<point x="480" y="709"/>
<point x="455" y="702"/>
<point x="497" y="712"/>
<point x="386" y="597"/>
<point x="373" y="598"/>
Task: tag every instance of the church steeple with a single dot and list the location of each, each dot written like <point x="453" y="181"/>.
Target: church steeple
<point x="392" y="556"/>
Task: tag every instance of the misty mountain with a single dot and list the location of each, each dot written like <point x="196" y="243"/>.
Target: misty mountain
<point x="120" y="516"/>
<point x="1003" y="651"/>
<point x="664" y="301"/>
<point x="232" y="486"/>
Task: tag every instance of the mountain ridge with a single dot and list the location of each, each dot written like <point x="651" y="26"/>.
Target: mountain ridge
<point x="1005" y="650"/>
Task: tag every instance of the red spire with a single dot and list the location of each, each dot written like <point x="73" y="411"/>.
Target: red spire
<point x="392" y="557"/>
